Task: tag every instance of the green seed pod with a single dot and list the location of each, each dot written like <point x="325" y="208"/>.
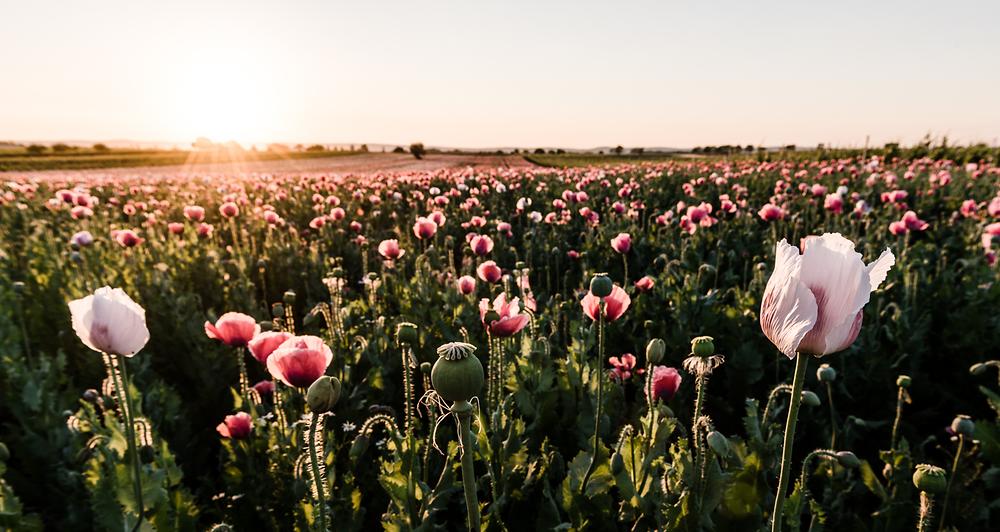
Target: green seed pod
<point x="931" y="479"/>
<point x="655" y="350"/>
<point x="718" y="443"/>
<point x="337" y="272"/>
<point x="617" y="464"/>
<point x="18" y="287"/>
<point x="457" y="375"/>
<point x="810" y="398"/>
<point x="277" y="310"/>
<point x="490" y="316"/>
<point x="904" y="381"/>
<point x="425" y="368"/>
<point x="91" y="395"/>
<point x="703" y="346"/>
<point x="261" y="264"/>
<point x="848" y="459"/>
<point x="826" y="373"/>
<point x="289" y="297"/>
<point x="963" y="425"/>
<point x="4" y="452"/>
<point x="407" y="333"/>
<point x="359" y="446"/>
<point x="601" y="285"/>
<point x="323" y="394"/>
<point x="555" y="250"/>
<point x="520" y="265"/>
<point x="266" y="326"/>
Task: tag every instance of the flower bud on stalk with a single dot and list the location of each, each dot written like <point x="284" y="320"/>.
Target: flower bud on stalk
<point x="655" y="350"/>
<point x="323" y="394"/>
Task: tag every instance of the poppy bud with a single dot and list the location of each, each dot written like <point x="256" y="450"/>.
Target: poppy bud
<point x="91" y="395"/>
<point x="277" y="310"/>
<point x="406" y="333"/>
<point x="266" y="326"/>
<point x="825" y="373"/>
<point x="703" y="346"/>
<point x="457" y="375"/>
<point x="848" y="459"/>
<point x="617" y="464"/>
<point x="4" y="452"/>
<point x="601" y="285"/>
<point x="261" y="264"/>
<point x="904" y="381"/>
<point x="323" y="394"/>
<point x="810" y="398"/>
<point x="147" y="454"/>
<point x="425" y="368"/>
<point x="359" y="446"/>
<point x="718" y="443"/>
<point x="289" y="297"/>
<point x="963" y="425"/>
<point x="520" y="265"/>
<point x="978" y="369"/>
<point x="337" y="272"/>
<point x="655" y="350"/>
<point x="931" y="479"/>
<point x="76" y="257"/>
<point x="18" y="288"/>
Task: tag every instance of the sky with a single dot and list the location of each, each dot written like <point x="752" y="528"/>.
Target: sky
<point x="481" y="74"/>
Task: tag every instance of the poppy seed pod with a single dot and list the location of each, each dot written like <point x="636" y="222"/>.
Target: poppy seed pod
<point x="930" y="479"/>
<point x="457" y="375"/>
<point x="703" y="346"/>
<point x="359" y="446"/>
<point x="289" y="297"/>
<point x="810" y="398"/>
<point x="323" y="394"/>
<point x="601" y="285"/>
<point x="655" y="350"/>
<point x="963" y="425"/>
<point x="825" y="373"/>
<point x="406" y="333"/>
<point x="848" y="459"/>
<point x="425" y="368"/>
<point x="278" y="310"/>
<point x="18" y="288"/>
<point x="91" y="395"/>
<point x="904" y="381"/>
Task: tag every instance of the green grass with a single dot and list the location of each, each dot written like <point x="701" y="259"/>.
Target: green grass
<point x="568" y="160"/>
<point x="21" y="161"/>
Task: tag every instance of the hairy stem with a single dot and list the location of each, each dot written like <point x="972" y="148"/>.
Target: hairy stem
<point x="801" y="362"/>
<point x="600" y="397"/>
<point x="464" y="413"/>
<point x="319" y="488"/>
<point x="126" y="400"/>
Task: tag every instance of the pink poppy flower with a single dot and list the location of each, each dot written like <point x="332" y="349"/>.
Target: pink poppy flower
<point x="229" y="209"/>
<point x="814" y="301"/>
<point x="898" y="228"/>
<point x="481" y="244"/>
<point x="968" y="208"/>
<point x="489" y="272"/>
<point x="623" y="368"/>
<point x="236" y="426"/>
<point x="510" y="322"/>
<point x="265" y="387"/>
<point x="645" y="284"/>
<point x="128" y="238"/>
<point x="300" y="360"/>
<point x="175" y="228"/>
<point x="913" y="223"/>
<point x="233" y="329"/>
<point x="205" y="230"/>
<point x="194" y="213"/>
<point x="834" y="203"/>
<point x="390" y="250"/>
<point x="994" y="207"/>
<point x="466" y="284"/>
<point x="262" y="345"/>
<point x="616" y="304"/>
<point x="666" y="382"/>
<point x="622" y="243"/>
<point x="771" y="212"/>
<point x="424" y="228"/>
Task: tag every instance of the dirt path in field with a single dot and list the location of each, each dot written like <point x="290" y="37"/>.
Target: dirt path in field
<point x="346" y="164"/>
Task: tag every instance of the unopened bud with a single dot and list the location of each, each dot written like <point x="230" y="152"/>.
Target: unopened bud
<point x="904" y="381"/>
<point x="289" y="297"/>
<point x="655" y="350"/>
<point x="91" y="395"/>
<point x="848" y="459"/>
<point x="4" y="452"/>
<point x="266" y="326"/>
<point x="19" y="288"/>
<point x="617" y="464"/>
<point x="359" y="446"/>
<point x="323" y="394"/>
<point x="718" y="443"/>
<point x="425" y="368"/>
<point x="978" y="369"/>
<point x="809" y="398"/>
<point x="277" y="310"/>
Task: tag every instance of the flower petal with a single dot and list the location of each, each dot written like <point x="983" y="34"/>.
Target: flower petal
<point x="788" y="310"/>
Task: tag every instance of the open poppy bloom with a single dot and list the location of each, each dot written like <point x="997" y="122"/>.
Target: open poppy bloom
<point x="110" y="322"/>
<point x="510" y="322"/>
<point x="616" y="304"/>
<point x="236" y="426"/>
<point x="814" y="301"/>
<point x="300" y="360"/>
<point x="262" y="345"/>
<point x="666" y="382"/>
<point x="233" y="329"/>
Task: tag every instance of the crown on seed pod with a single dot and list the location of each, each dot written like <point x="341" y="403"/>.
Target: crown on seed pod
<point x="931" y="479"/>
<point x="703" y="359"/>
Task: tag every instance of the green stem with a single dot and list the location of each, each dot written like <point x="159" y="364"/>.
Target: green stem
<point x="833" y="416"/>
<point x="126" y="398"/>
<point x="951" y="478"/>
<point x="464" y="413"/>
<point x="696" y="429"/>
<point x="926" y="512"/>
<point x="600" y="397"/>
<point x="244" y="381"/>
<point x="899" y="416"/>
<point x="317" y="473"/>
<point x="801" y="363"/>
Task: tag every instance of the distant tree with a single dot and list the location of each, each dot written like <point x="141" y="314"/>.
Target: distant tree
<point x="36" y="149"/>
<point x="637" y="151"/>
<point x="277" y="148"/>
<point x="364" y="148"/>
<point x="99" y="147"/>
<point x="398" y="149"/>
<point x="790" y="147"/>
<point x="748" y="148"/>
<point x="600" y="152"/>
<point x="417" y="150"/>
<point x="539" y="151"/>
<point x="560" y="151"/>
<point x="618" y="150"/>
<point x="352" y="147"/>
<point x="299" y="147"/>
<point x="60" y="148"/>
<point x="316" y="147"/>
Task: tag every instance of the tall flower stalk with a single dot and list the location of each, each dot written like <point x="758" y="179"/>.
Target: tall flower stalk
<point x="321" y="397"/>
<point x="702" y="362"/>
<point x="801" y="364"/>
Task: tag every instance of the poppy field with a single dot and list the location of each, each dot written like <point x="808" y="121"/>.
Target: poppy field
<point x="797" y="343"/>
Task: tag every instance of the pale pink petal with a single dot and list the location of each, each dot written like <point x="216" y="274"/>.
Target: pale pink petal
<point x="837" y="278"/>
<point x="788" y="310"/>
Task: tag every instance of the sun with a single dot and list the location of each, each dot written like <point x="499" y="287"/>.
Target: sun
<point x="224" y="100"/>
